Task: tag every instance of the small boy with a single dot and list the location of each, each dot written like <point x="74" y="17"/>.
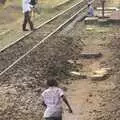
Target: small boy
<point x="90" y="10"/>
<point x="52" y="100"/>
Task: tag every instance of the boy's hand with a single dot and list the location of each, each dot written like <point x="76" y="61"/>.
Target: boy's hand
<point x="65" y="100"/>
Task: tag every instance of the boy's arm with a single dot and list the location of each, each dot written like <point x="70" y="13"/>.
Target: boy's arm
<point x="67" y="103"/>
<point x="42" y="99"/>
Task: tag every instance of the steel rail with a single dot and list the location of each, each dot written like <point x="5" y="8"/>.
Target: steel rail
<point x="43" y="40"/>
<point x="8" y="56"/>
<point x="53" y="18"/>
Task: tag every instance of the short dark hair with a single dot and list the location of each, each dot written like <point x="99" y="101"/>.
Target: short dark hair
<point x="52" y="82"/>
<point x="89" y="5"/>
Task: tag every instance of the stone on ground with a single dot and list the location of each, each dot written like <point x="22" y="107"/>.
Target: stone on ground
<point x="89" y="55"/>
<point x="71" y="61"/>
<point x="107" y="9"/>
<point x="91" y="20"/>
<point x="78" y="74"/>
<point x="103" y="21"/>
<point x="100" y="74"/>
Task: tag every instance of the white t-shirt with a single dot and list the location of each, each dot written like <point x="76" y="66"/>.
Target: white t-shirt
<point x="26" y="5"/>
<point x="52" y="98"/>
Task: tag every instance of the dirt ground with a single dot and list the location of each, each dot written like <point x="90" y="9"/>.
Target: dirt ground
<point x="95" y="100"/>
<point x="90" y="99"/>
<point x="98" y="100"/>
<point x="11" y="11"/>
<point x="11" y="24"/>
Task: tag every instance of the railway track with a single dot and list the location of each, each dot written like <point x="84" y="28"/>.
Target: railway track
<point x="23" y="79"/>
<point x="21" y="46"/>
<point x="16" y="51"/>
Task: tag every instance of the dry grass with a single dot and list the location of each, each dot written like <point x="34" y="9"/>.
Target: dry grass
<point x="113" y="2"/>
<point x="11" y="17"/>
<point x="12" y="10"/>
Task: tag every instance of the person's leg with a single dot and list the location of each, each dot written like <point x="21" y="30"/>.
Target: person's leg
<point x="50" y="118"/>
<point x="30" y="22"/>
<point x="25" y="21"/>
<point x="59" y="118"/>
<point x="54" y="118"/>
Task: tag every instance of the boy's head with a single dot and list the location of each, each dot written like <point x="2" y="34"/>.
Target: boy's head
<point x="52" y="83"/>
<point x="89" y="4"/>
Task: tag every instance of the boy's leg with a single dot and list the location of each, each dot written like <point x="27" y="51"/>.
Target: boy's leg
<point x="30" y="22"/>
<point x="59" y="118"/>
<point x="51" y="118"/>
<point x="25" y="21"/>
<point x="54" y="118"/>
